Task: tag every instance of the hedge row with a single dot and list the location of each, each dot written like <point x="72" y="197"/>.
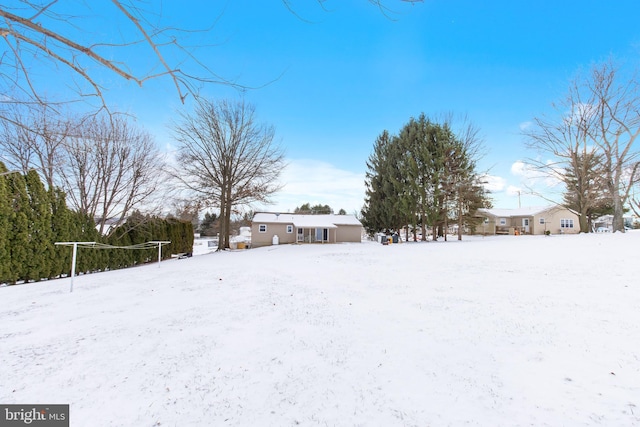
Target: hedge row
<point x="32" y="219"/>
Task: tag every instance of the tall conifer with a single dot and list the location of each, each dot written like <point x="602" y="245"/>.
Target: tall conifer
<point x="61" y="218"/>
<point x="18" y="239"/>
<point x="5" y="254"/>
<point x="40" y="233"/>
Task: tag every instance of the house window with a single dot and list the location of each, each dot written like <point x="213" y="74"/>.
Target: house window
<point x="262" y="228"/>
<point x="503" y="221"/>
<point x="486" y="220"/>
<point x="541" y="220"/>
<point x="566" y="223"/>
<point x="289" y="228"/>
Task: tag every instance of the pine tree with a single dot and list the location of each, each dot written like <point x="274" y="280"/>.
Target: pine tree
<point x="423" y="177"/>
<point x="207" y="225"/>
<point x="380" y="210"/>
<point x="313" y="210"/>
<point x="586" y="192"/>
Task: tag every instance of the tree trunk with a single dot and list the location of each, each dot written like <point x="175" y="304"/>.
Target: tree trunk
<point x="227" y="218"/>
<point x="446" y="227"/>
<point x="618" y="213"/>
<point x="222" y="227"/>
<point x="423" y="226"/>
<point x="460" y="220"/>
<point x="618" y="209"/>
<point x="583" y="220"/>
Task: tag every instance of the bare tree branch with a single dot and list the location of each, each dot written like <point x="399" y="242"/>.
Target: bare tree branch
<point x="227" y="158"/>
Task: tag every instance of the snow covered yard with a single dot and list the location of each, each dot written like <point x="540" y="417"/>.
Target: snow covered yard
<point x="497" y="331"/>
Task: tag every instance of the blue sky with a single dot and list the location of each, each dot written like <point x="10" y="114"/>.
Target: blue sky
<point x="331" y="80"/>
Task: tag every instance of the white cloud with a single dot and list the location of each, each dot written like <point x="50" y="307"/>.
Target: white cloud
<point x="531" y="176"/>
<point x="536" y="186"/>
<point x="520" y="169"/>
<point x="494" y="183"/>
<point x="316" y="182"/>
<point x="525" y="125"/>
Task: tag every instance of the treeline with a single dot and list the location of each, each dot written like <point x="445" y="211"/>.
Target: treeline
<point x="32" y="219"/>
<point x="424" y="177"/>
<point x="316" y="209"/>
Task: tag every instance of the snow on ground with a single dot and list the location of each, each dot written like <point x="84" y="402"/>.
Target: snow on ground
<point x="496" y="331"/>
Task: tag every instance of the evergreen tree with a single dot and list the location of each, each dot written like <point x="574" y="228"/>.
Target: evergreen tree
<point x="379" y="210"/>
<point x="586" y="192"/>
<point x="40" y="233"/>
<point x="5" y="250"/>
<point x="84" y="230"/>
<point x="313" y="210"/>
<point x="424" y="177"/>
<point x="208" y="224"/>
<point x="424" y="141"/>
<point x="119" y="258"/>
<point x="61" y="219"/>
<point x="462" y="187"/>
<point x="18" y="232"/>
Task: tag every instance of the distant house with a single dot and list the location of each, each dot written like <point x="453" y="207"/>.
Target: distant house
<point x="281" y="228"/>
<point x="534" y="220"/>
<point x="605" y="223"/>
<point x="110" y="224"/>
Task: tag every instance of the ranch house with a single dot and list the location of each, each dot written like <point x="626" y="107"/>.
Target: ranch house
<point x="282" y="228"/>
<point x="533" y="220"/>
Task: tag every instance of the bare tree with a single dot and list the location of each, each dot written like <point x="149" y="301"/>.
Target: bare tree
<point x="50" y="34"/>
<point x="617" y="109"/>
<point x="33" y="138"/>
<point x="635" y="200"/>
<point x="227" y="158"/>
<point x="59" y="36"/>
<point x="111" y="168"/>
<point x="591" y="141"/>
<point x="566" y="151"/>
<point x="188" y="211"/>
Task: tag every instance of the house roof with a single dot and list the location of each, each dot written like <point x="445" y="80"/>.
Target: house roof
<point x="527" y="211"/>
<point x="306" y="221"/>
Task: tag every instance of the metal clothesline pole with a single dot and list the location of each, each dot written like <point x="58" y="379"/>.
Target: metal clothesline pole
<point x="160" y="243"/>
<point x="73" y="257"/>
<point x="75" y="250"/>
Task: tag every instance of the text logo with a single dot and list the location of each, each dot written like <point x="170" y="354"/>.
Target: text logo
<point x="34" y="415"/>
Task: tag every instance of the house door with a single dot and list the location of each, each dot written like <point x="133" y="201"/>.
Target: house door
<point x="322" y="234"/>
<point x="525" y="225"/>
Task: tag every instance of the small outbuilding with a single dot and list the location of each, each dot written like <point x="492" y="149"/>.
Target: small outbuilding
<point x="268" y="228"/>
<point x="553" y="219"/>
